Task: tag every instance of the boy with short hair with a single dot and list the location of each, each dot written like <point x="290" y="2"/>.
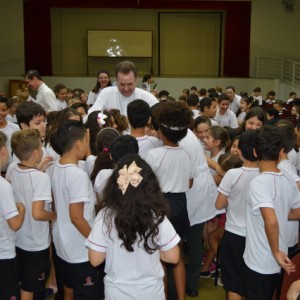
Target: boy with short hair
<point x="272" y="199"/>
<point x="225" y="116"/>
<point x="31" y="187"/>
<point x="31" y="115"/>
<point x="139" y="115"/>
<point x="11" y="219"/>
<point x="208" y="108"/>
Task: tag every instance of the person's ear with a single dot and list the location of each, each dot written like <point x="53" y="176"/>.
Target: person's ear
<point x="24" y="126"/>
<point x="149" y="121"/>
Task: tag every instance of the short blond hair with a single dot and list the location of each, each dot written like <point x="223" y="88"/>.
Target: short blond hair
<point x="24" y="142"/>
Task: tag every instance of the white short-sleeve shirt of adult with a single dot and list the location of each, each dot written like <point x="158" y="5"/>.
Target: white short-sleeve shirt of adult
<point x="145" y="278"/>
<point x="101" y="180"/>
<point x="235" y="185"/>
<point x="147" y="143"/>
<point x="30" y="185"/>
<point x="288" y="169"/>
<point x="273" y="190"/>
<point x="202" y="195"/>
<point x="227" y="119"/>
<point x="8" y="130"/>
<point x="46" y="98"/>
<point x="8" y="210"/>
<point x="110" y="97"/>
<point x="173" y="168"/>
<point x="70" y="184"/>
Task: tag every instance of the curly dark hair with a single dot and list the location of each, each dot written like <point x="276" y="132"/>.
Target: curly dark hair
<point x="138" y="213"/>
<point x="174" y="114"/>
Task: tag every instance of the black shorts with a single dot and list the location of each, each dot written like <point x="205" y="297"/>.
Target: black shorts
<point x="233" y="266"/>
<point x="260" y="286"/>
<point x="179" y="215"/>
<point x="34" y="269"/>
<point x="9" y="283"/>
<point x="81" y="277"/>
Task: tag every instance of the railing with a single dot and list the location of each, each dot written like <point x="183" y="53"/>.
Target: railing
<point x="288" y="71"/>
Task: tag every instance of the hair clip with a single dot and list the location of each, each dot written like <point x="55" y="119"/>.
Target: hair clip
<point x="101" y="118"/>
<point x="128" y="176"/>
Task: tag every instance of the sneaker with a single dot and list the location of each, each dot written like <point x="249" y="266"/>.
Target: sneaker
<point x="205" y="274"/>
<point x="219" y="282"/>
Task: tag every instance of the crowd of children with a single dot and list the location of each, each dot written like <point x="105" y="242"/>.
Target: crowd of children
<point x="101" y="204"/>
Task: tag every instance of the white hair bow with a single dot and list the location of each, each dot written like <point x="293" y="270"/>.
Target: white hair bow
<point x="129" y="175"/>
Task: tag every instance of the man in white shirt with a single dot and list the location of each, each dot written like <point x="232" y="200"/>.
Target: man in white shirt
<point x="234" y="99"/>
<point x="124" y="92"/>
<point x="45" y="95"/>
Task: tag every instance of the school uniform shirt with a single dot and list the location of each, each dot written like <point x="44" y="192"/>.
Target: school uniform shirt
<point x="241" y="117"/>
<point x="227" y="119"/>
<point x="215" y="158"/>
<point x="294" y="158"/>
<point x="89" y="164"/>
<point x="46" y="98"/>
<point x="131" y="275"/>
<point x="92" y="97"/>
<point x="235" y="104"/>
<point x="61" y="104"/>
<point x="259" y="99"/>
<point x="202" y="195"/>
<point x="196" y="113"/>
<point x="8" y="210"/>
<point x="213" y="122"/>
<point x="293" y="225"/>
<point x="173" y="167"/>
<point x="101" y="180"/>
<point x="273" y="190"/>
<point x="147" y="143"/>
<point x="235" y="186"/>
<point x="70" y="184"/>
<point x="9" y="129"/>
<point x="30" y="185"/>
<point x="110" y="98"/>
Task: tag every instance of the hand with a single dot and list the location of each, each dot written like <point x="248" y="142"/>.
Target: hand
<point x="284" y="262"/>
<point x="20" y="207"/>
<point x="294" y="291"/>
<point x="45" y="163"/>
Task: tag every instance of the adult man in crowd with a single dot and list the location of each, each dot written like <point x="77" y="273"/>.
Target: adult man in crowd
<point x="119" y="96"/>
<point x="234" y="99"/>
<point x="45" y="96"/>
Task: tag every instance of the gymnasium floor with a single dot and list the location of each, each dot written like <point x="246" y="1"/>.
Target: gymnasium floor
<point x="207" y="291"/>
